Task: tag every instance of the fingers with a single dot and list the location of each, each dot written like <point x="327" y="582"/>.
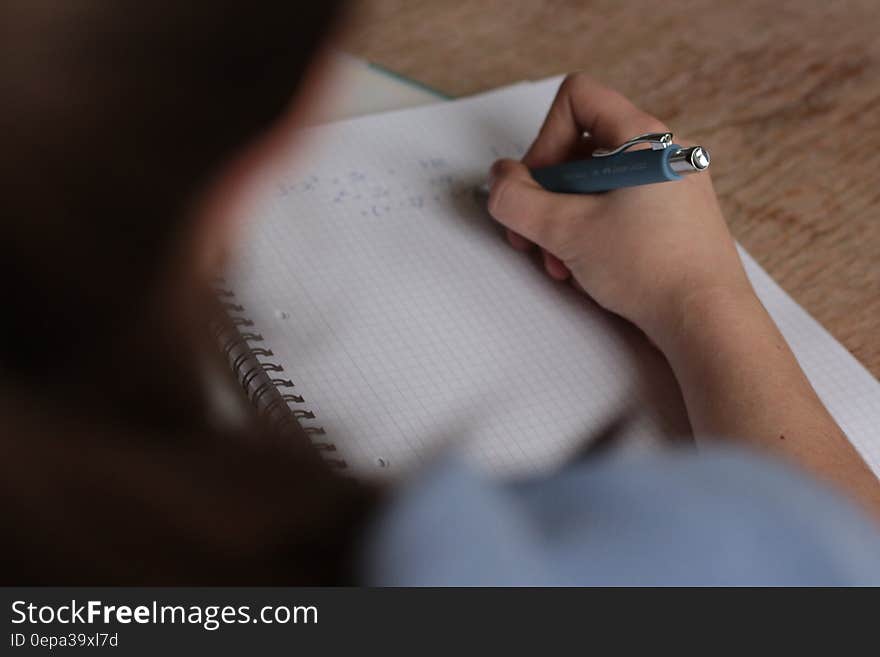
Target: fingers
<point x="518" y="242"/>
<point x="584" y="105"/>
<point x="533" y="214"/>
<point x="555" y="267"/>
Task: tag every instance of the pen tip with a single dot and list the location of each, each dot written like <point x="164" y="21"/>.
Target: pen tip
<point x="482" y="191"/>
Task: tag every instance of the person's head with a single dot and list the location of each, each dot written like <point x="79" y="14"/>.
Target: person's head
<point x="129" y="128"/>
<point x="126" y="127"/>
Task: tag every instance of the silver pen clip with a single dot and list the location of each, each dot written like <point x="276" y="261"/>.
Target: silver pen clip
<point x="657" y="140"/>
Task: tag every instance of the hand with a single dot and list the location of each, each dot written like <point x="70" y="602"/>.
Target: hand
<point x="640" y="252"/>
<point x="661" y="256"/>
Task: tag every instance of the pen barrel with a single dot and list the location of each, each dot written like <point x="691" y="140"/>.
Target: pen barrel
<point x="602" y="174"/>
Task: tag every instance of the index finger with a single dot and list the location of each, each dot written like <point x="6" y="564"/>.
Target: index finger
<point x="581" y="105"/>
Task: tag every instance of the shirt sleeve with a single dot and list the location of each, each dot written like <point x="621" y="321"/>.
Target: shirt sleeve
<point x="714" y="517"/>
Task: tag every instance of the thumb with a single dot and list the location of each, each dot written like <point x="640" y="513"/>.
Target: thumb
<point x="523" y="206"/>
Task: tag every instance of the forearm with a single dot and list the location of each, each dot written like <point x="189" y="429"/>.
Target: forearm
<point x="741" y="381"/>
<point x="639" y="252"/>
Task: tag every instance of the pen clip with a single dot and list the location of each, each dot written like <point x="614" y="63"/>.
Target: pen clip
<point x="658" y="141"/>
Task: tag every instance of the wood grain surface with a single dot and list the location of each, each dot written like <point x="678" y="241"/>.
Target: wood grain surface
<point x="786" y="94"/>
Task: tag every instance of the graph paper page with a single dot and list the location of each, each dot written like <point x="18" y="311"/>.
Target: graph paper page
<point x="411" y="328"/>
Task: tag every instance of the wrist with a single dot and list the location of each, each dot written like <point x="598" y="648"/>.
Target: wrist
<point x="703" y="315"/>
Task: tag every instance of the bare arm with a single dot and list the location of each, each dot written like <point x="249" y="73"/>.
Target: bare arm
<point x="663" y="257"/>
<point x="741" y="381"/>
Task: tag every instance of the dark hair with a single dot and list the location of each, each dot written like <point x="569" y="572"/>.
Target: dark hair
<point x="115" y="116"/>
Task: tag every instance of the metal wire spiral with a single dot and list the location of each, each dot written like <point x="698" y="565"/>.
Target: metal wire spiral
<point x="243" y="350"/>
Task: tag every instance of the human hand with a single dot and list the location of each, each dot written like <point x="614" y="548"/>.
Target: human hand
<point x="641" y="252"/>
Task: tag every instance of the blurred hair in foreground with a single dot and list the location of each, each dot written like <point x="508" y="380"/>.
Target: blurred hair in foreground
<point x="116" y="116"/>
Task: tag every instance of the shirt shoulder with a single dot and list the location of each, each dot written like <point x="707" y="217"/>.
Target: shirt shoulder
<point x="717" y="517"/>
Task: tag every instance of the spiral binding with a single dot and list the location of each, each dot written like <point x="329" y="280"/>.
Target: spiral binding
<point x="243" y="349"/>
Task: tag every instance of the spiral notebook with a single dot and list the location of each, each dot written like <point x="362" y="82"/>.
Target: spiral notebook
<point x="379" y="307"/>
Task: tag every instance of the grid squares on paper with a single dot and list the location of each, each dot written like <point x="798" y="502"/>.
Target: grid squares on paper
<point x="413" y="327"/>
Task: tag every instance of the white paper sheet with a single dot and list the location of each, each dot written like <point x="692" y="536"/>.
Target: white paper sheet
<point x="410" y="326"/>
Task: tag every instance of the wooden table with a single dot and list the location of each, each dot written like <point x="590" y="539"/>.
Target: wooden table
<point x="785" y="93"/>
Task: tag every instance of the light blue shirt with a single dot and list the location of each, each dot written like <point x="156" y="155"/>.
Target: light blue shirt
<point x="714" y="517"/>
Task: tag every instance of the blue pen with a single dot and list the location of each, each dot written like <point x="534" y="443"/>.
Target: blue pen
<point x="622" y="167"/>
